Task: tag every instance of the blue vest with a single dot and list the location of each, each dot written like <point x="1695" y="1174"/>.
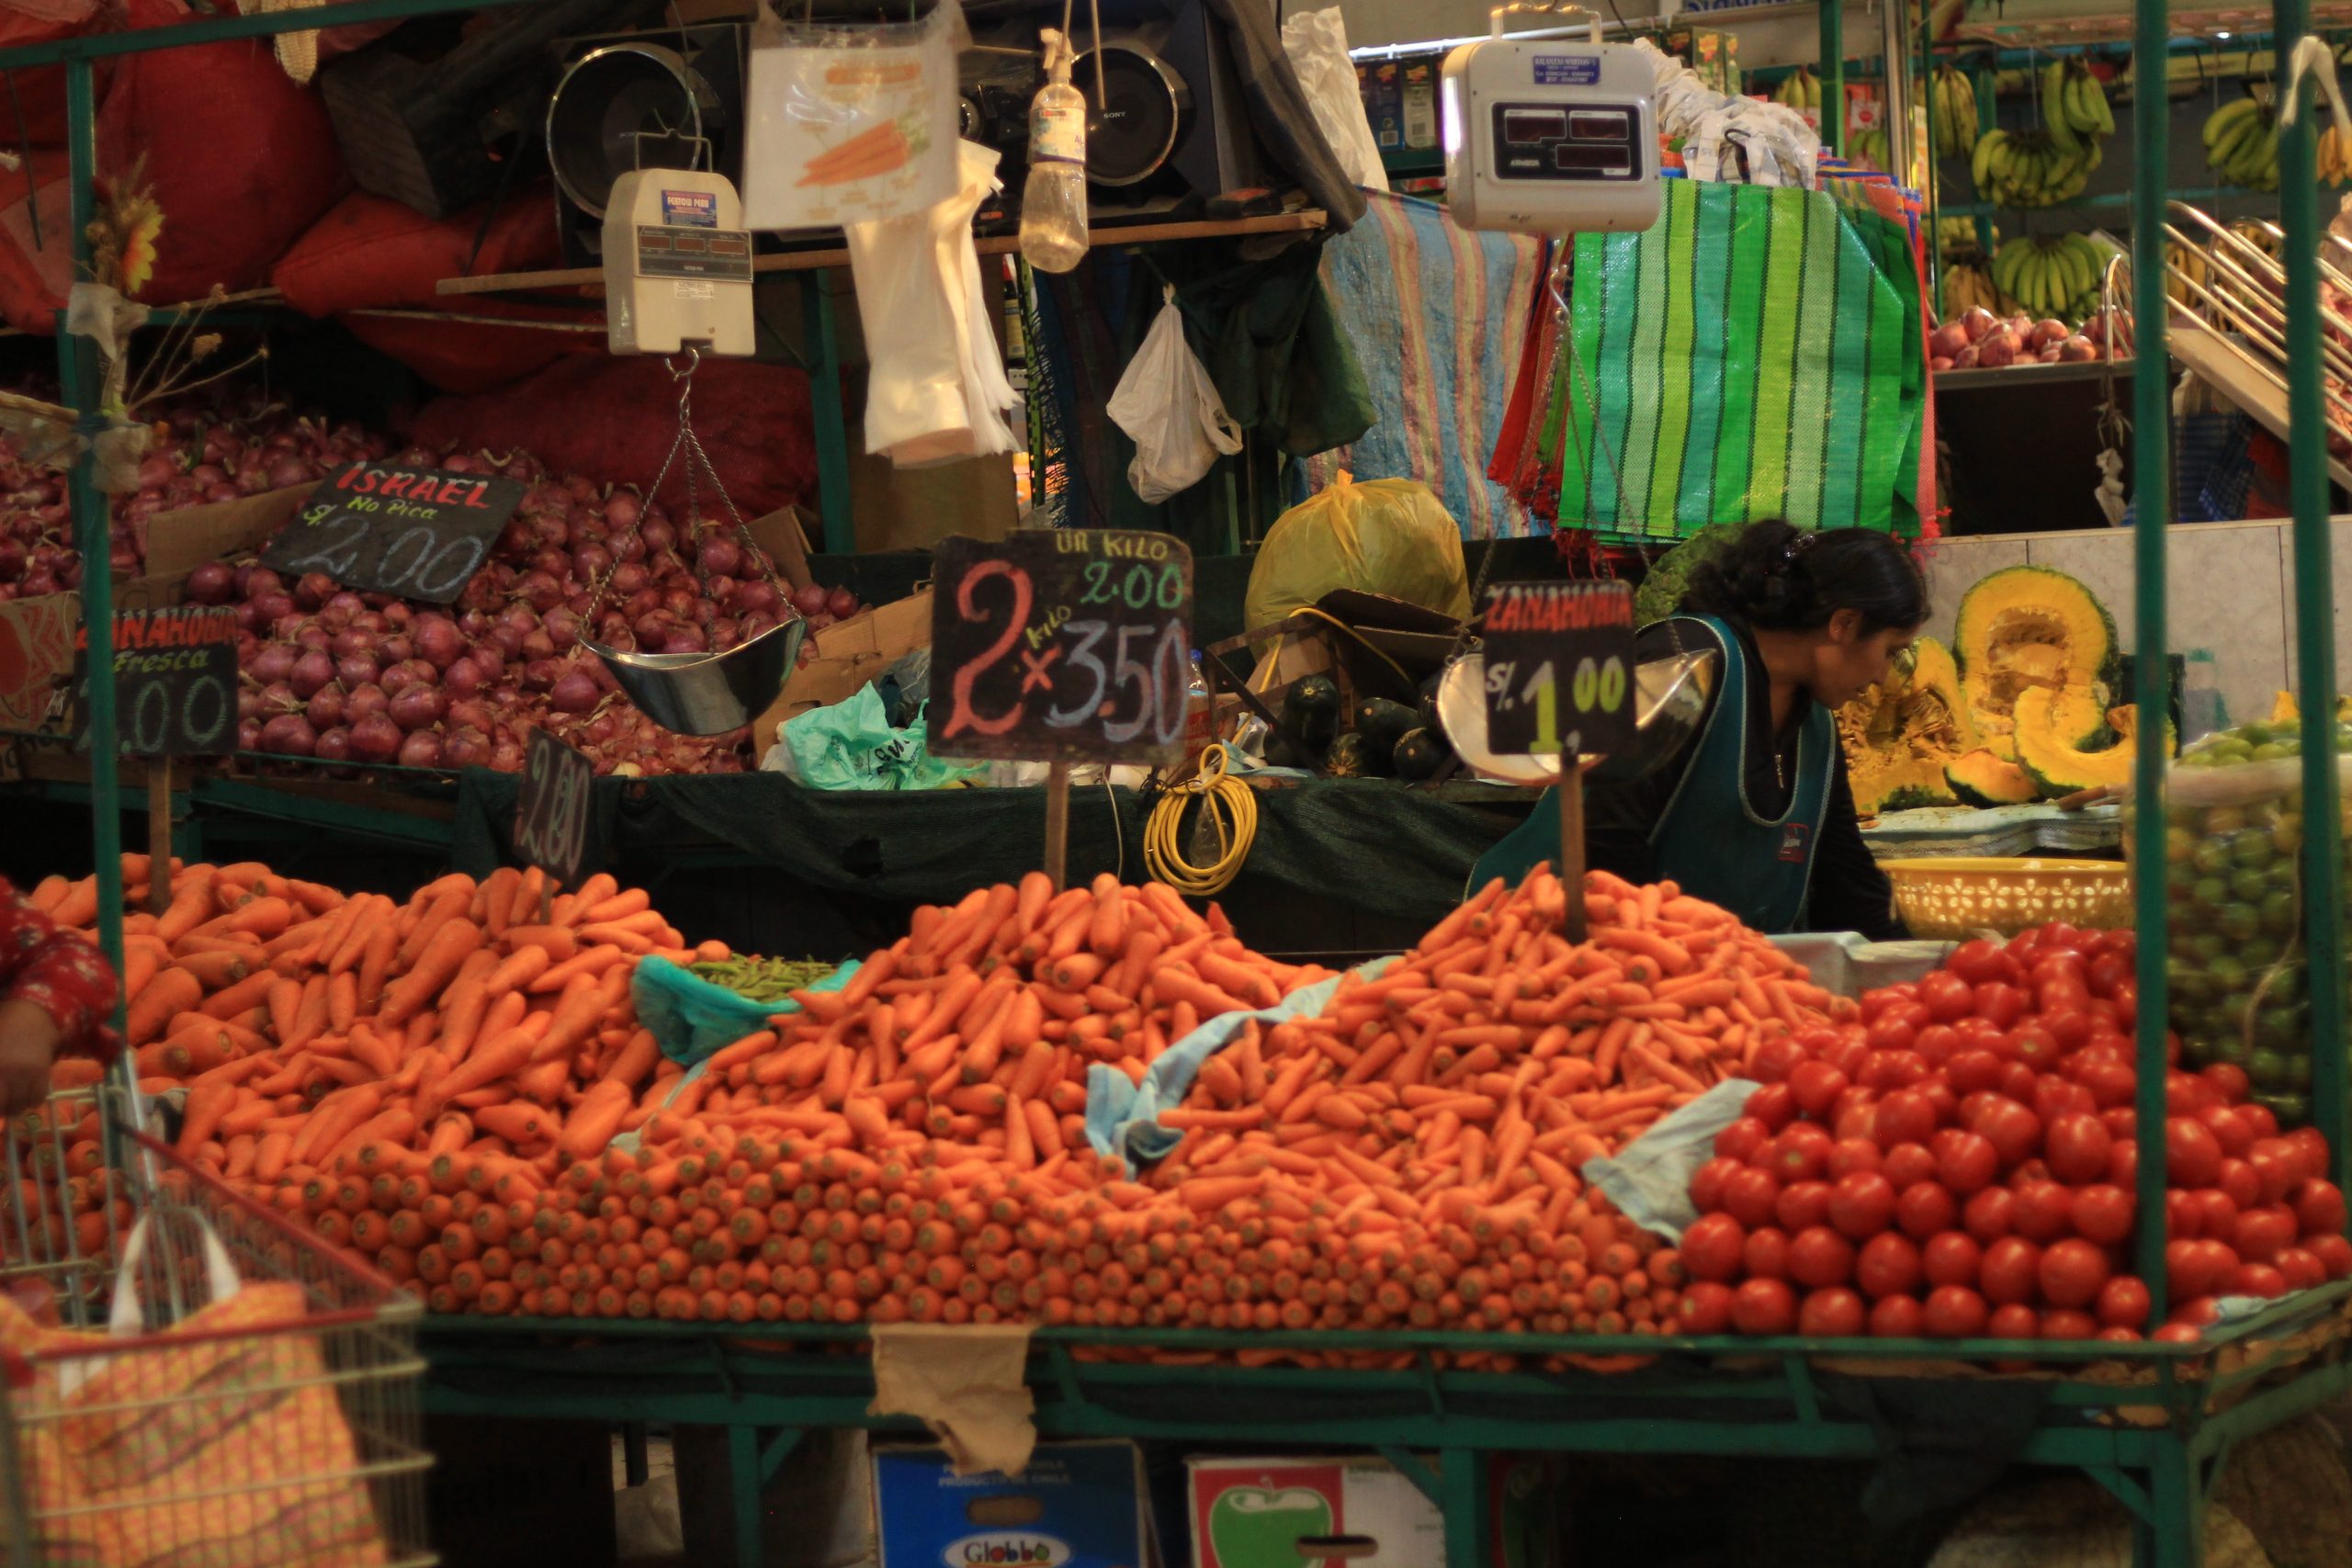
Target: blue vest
<point x="1709" y="840"/>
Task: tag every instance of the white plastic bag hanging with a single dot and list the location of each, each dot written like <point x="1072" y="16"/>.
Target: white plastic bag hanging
<point x="1168" y="406"/>
<point x="1316" y="42"/>
<point x="849" y="124"/>
<point x="937" y="389"/>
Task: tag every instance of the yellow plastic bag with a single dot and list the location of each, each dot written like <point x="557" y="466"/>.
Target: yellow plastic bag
<point x="1386" y="536"/>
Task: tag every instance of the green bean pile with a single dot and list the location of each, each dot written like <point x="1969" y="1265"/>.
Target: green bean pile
<point x="763" y="979"/>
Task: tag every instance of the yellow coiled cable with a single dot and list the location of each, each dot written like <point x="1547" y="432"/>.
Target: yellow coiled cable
<point x="1232" y="807"/>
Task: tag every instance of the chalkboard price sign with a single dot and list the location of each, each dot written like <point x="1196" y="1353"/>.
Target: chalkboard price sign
<point x="551" y="812"/>
<point x="1061" y="645"/>
<point x="382" y="528"/>
<point x="176" y="683"/>
<point x="1559" y="667"/>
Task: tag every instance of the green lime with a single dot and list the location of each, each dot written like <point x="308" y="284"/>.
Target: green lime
<point x="2225" y="972"/>
<point x="2231" y="1048"/>
<point x="2222" y="820"/>
<point x="2260" y="953"/>
<point x="2199" y="1050"/>
<point x="2212" y="890"/>
<point x="2292" y="1110"/>
<point x="2208" y="945"/>
<point x="2277" y="1027"/>
<point x="2178" y="842"/>
<point x="2273" y="751"/>
<point x="2211" y="857"/>
<point x="2267" y="1068"/>
<point x="2240" y="921"/>
<point x="2250" y="883"/>
<point x="2252" y="847"/>
<point x="2280" y="913"/>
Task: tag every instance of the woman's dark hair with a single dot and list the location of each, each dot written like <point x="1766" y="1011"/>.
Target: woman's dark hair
<point x="1780" y="578"/>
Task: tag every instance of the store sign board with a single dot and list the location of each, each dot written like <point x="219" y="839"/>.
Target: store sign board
<point x="551" y="810"/>
<point x="1061" y="645"/>
<point x="419" y="534"/>
<point x="1559" y="661"/>
<point x="176" y="683"/>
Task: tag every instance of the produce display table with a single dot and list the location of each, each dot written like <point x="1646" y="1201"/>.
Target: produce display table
<point x="2149" y="1426"/>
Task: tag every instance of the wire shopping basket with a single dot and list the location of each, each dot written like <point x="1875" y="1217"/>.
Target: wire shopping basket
<point x="185" y="1376"/>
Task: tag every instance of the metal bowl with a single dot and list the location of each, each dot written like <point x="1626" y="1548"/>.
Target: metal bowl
<point x="708" y="693"/>
<point x="1669" y="697"/>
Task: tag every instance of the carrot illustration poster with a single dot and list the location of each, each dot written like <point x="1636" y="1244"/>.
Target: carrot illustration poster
<point x="849" y="123"/>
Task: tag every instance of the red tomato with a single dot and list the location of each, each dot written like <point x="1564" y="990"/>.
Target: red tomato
<point x="2302" y="1268"/>
<point x="1850" y="1120"/>
<point x="2217" y="1217"/>
<point x="1973" y="1071"/>
<point x="1848" y="1056"/>
<point x="1765" y="1255"/>
<point x="1905" y="1116"/>
<point x="2064" y="1006"/>
<point x="1764" y="1306"/>
<point x="2111" y="1084"/>
<point x="2200" y="1312"/>
<point x="2201" y="1269"/>
<point x="1815" y="1086"/>
<point x="2263" y="1233"/>
<point x="2228" y="1130"/>
<point x="2014" y="1320"/>
<point x="2044" y="1211"/>
<point x="1820" y="1257"/>
<point x="1888" y="1265"/>
<point x="2014" y="1132"/>
<point x="1773" y="1105"/>
<point x="2309" y="1142"/>
<point x="1707" y="1183"/>
<point x="2265" y="1122"/>
<point x="1941" y="1101"/>
<point x="1945" y="996"/>
<point x="2008" y="1271"/>
<point x="1896" y="1029"/>
<point x="1706" y="1307"/>
<point x="1986" y="1214"/>
<point x="1876" y="1003"/>
<point x="2118" y="1335"/>
<point x="2018" y="1080"/>
<point x="2241" y="1181"/>
<point x="1802" y="1204"/>
<point x="1998" y="1003"/>
<point x="2079" y="1149"/>
<point x="1978" y="1033"/>
<point x="2031" y="1043"/>
<point x="1931" y="1047"/>
<point x="2277" y="1169"/>
<point x="1951" y="1258"/>
<point x="1906" y="1162"/>
<point x="2054" y="1097"/>
<point x="1800" y="1152"/>
<point x="1952" y="1311"/>
<point x="1711" y="1248"/>
<point x="2122" y="1302"/>
<point x="2192" y="1156"/>
<point x="1895" y="1318"/>
<point x="2072" y="1272"/>
<point x="1750" y="1196"/>
<point x="1832" y="1313"/>
<point x="1979" y="961"/>
<point x="1742" y="1139"/>
<point x="2102" y="1213"/>
<point x="1925" y="1208"/>
<point x="2107" y="971"/>
<point x="2187" y="1094"/>
<point x="2334" y="1252"/>
<point x="1861" y="1204"/>
<point x="2319" y="1206"/>
<point x="2256" y="1279"/>
<point x="2228" y="1079"/>
<point x="1965" y="1161"/>
<point x="2184" y="1215"/>
<point x="2063" y="1324"/>
<point x="2055" y="967"/>
<point x="1851" y="1156"/>
<point x="1776" y="1058"/>
<point x="2179" y="1333"/>
<point x="2120" y="1120"/>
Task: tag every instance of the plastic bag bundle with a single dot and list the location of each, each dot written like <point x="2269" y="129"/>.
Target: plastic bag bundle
<point x="852" y="745"/>
<point x="1168" y="406"/>
<point x="937" y="390"/>
<point x="1316" y="42"/>
<point x="1389" y="536"/>
<point x="1727" y="138"/>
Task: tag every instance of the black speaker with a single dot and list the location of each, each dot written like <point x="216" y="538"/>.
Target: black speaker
<point x="668" y="98"/>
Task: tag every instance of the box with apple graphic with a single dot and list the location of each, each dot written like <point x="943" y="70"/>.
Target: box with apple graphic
<point x="1078" y="1505"/>
<point x="1275" y="1513"/>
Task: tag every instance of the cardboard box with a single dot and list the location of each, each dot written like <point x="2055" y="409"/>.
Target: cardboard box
<point x="849" y="654"/>
<point x="1255" y="1513"/>
<point x="1079" y="1504"/>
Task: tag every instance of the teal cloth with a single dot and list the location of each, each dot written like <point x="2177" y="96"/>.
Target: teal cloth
<point x="692" y="1018"/>
<point x="1712" y="842"/>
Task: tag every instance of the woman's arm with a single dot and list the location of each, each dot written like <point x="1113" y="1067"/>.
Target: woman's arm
<point x="1848" y="892"/>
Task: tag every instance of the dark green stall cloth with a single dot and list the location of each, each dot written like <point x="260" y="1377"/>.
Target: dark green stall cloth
<point x="1337" y="866"/>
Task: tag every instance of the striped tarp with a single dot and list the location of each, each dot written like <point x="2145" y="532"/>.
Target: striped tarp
<point x="1755" y="353"/>
<point x="1434" y="313"/>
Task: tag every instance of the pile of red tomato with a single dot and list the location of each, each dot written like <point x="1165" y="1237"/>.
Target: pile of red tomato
<point x="1959" y="1163"/>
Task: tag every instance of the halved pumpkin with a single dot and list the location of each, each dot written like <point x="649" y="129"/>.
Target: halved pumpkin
<point x="2023" y="627"/>
<point x="1899" y="735"/>
<point x="1984" y="778"/>
<point x="2062" y="752"/>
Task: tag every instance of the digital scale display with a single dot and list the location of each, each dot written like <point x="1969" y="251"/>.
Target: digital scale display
<point x="1549" y="141"/>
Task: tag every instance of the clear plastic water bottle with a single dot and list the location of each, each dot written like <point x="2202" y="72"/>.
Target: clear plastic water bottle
<point x="1053" y="202"/>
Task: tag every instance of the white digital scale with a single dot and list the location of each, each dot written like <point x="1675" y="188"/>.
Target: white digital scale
<point x="1548" y="135"/>
<point x="677" y="264"/>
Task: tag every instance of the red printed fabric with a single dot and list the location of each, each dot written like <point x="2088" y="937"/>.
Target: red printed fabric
<point x="56" y="971"/>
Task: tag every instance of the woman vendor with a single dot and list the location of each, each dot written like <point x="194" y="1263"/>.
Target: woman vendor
<point x="1753" y="812"/>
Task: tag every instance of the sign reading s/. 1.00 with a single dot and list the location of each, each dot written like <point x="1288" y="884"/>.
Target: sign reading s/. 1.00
<point x="382" y="528"/>
<point x="176" y="683"/>
<point x="1559" y="663"/>
<point x="1061" y="645"/>
<point x="551" y="809"/>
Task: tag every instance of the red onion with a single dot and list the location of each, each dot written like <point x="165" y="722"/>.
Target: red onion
<point x="725" y="633"/>
<point x="313" y="588"/>
<point x="289" y="734"/>
<point x="841" y="604"/>
<point x="397" y="613"/>
<point x="721" y="590"/>
<point x="541" y="590"/>
<point x="465" y="748"/>
<point x="613" y="629"/>
<point x="686" y="639"/>
<point x="809" y="600"/>
<point x="286" y="627"/>
<point x="756" y="623"/>
<point x="506" y="755"/>
<point x="361" y="701"/>
<point x="288" y="472"/>
<point x="260" y="581"/>
<point x="462" y="678"/>
<point x="417" y="706"/>
<point x="334" y="745"/>
<point x="469" y="714"/>
<point x="628" y="577"/>
<point x="562" y="628"/>
<point x="681" y="603"/>
<point x="421" y="750"/>
<point x="397" y="679"/>
<point x="249" y="702"/>
<point x="653" y="628"/>
<point x="309" y="634"/>
<point x="622" y="509"/>
<point x="348" y="602"/>
<point x="491" y="658"/>
<point x="719" y="557"/>
<point x="356" y="669"/>
<point x="589" y="561"/>
<point x="396" y="648"/>
<point x="271" y="662"/>
<point x="156" y="469"/>
<point x="352" y="640"/>
<point x="541" y="674"/>
<point x="538" y="644"/>
<point x="248" y="735"/>
<point x="210" y="583"/>
<point x="268" y="607"/>
<point x="574" y="692"/>
<point x="553" y="563"/>
<point x="325" y="709"/>
<point x="374" y="738"/>
<point x="311" y="673"/>
<point x="657" y="532"/>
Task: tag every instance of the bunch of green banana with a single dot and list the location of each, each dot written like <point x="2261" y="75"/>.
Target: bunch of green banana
<point x="2050" y="278"/>
<point x="1966" y="288"/>
<point x="2242" y="144"/>
<point x="1951" y="113"/>
<point x="762" y="980"/>
<point x="2073" y="105"/>
<point x="1957" y="236"/>
<point x="1870" y="149"/>
<point x="2028" y="168"/>
<point x="1800" y="89"/>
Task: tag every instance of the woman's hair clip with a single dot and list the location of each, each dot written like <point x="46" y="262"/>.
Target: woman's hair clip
<point x="1796" y="546"/>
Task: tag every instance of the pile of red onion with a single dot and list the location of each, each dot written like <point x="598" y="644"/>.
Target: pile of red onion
<point x="204" y="449"/>
<point x="365" y="678"/>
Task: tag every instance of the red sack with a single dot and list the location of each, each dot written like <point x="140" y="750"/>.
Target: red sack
<point x="241" y="160"/>
<point x="36" y="270"/>
<point x="614" y="418"/>
<point x="466" y="357"/>
<point x="40" y="90"/>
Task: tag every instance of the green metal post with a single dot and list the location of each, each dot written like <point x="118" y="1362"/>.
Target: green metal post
<point x="1833" y="75"/>
<point x="831" y="429"/>
<point x="78" y="386"/>
<point x="1987" y="120"/>
<point x="1468" y="1509"/>
<point x="2152" y="503"/>
<point x="746" y="1486"/>
<point x="2314" y="606"/>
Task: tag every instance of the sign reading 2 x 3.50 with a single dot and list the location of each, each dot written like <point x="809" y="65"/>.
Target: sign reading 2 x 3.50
<point x="1061" y="645"/>
<point x="387" y="529"/>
